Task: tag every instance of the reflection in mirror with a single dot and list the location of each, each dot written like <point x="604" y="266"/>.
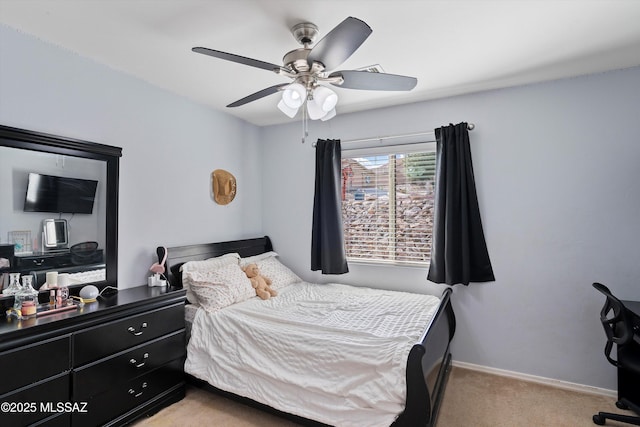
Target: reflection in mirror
<point x="55" y="234"/>
<point x="42" y="191"/>
<point x="58" y="208"/>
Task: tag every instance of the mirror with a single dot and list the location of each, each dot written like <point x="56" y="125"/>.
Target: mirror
<point x="55" y="234"/>
<point x="69" y="227"/>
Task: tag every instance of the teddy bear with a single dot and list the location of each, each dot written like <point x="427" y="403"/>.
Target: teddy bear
<point x="261" y="284"/>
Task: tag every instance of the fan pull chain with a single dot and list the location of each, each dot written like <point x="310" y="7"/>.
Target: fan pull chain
<point x="305" y="130"/>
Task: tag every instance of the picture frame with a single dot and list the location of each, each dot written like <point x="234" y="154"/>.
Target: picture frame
<point x="21" y="241"/>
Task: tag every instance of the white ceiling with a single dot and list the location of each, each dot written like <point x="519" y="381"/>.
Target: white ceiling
<point x="452" y="47"/>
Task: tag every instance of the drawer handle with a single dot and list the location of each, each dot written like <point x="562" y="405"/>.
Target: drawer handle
<point x="38" y="262"/>
<point x="138" y="394"/>
<point x="137" y="333"/>
<point x="141" y="364"/>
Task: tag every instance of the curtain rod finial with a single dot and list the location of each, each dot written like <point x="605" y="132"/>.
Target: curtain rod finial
<point x="470" y="126"/>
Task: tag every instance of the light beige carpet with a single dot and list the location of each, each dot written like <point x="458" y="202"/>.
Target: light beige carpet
<point x="472" y="399"/>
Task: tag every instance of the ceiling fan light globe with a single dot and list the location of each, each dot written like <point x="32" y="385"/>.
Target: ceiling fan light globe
<point x="325" y="98"/>
<point x="330" y="115"/>
<point x="314" y="110"/>
<point x="294" y="95"/>
<point x="291" y="112"/>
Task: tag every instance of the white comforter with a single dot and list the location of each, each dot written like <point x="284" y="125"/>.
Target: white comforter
<point x="332" y="353"/>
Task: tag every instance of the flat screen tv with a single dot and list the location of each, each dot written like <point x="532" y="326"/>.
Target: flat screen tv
<point x="56" y="194"/>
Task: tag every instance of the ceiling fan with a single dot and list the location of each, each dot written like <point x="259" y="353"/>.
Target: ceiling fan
<point x="310" y="68"/>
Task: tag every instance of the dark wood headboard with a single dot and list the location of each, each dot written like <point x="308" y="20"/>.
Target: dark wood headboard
<point x="178" y="255"/>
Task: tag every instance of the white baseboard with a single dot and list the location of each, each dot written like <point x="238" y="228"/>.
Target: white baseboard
<point x="540" y="380"/>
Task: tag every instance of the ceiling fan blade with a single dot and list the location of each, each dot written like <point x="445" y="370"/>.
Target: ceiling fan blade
<point x="255" y="96"/>
<point x="237" y="58"/>
<point x="366" y="80"/>
<point x="340" y="43"/>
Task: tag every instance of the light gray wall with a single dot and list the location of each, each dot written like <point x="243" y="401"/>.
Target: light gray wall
<point x="558" y="179"/>
<point x="556" y="171"/>
<point x="170" y="147"/>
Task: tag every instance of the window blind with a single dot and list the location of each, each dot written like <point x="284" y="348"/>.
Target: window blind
<point x="387" y="204"/>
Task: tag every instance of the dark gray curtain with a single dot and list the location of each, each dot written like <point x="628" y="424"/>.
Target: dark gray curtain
<point x="459" y="252"/>
<point x="327" y="241"/>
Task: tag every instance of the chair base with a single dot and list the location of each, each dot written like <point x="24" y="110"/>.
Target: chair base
<point x="601" y="417"/>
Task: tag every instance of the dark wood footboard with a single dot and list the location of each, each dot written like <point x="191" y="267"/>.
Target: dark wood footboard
<point x="428" y="367"/>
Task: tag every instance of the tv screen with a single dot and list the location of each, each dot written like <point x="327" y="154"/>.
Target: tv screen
<point x="47" y="193"/>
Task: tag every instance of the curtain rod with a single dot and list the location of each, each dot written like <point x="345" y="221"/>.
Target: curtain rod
<point x="470" y="126"/>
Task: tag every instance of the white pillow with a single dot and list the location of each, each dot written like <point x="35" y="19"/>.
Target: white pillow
<point x="273" y="269"/>
<point x="221" y="287"/>
<point x="204" y="266"/>
<point x="254" y="259"/>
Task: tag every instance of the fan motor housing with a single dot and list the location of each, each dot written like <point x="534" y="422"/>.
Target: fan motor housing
<point x="305" y="33"/>
<point x="297" y="59"/>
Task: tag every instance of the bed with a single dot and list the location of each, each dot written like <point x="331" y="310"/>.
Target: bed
<point x="390" y="365"/>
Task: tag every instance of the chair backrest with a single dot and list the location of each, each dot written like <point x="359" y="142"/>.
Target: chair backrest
<point x="618" y="328"/>
<point x="85" y="253"/>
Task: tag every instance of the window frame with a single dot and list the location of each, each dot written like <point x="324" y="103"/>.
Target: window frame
<point x="370" y="149"/>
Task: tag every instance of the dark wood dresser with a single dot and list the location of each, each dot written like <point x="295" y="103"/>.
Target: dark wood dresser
<point x="107" y="363"/>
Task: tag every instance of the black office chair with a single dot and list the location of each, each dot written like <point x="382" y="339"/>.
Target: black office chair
<point x="619" y="330"/>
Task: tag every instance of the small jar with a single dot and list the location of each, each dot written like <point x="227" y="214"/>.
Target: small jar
<point x="62" y="296"/>
<point x="28" y="308"/>
<point x="14" y="284"/>
<point x="26" y="295"/>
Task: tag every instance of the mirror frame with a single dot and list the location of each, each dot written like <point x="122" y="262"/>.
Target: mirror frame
<point x="37" y="141"/>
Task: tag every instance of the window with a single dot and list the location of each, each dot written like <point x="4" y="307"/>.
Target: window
<point x="387" y="203"/>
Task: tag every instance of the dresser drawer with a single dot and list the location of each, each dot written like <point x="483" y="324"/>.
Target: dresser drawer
<point x="33" y="363"/>
<point x="36" y="402"/>
<point x="100" y="341"/>
<point x="41" y="261"/>
<point x="101" y="375"/>
<point x="124" y="397"/>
